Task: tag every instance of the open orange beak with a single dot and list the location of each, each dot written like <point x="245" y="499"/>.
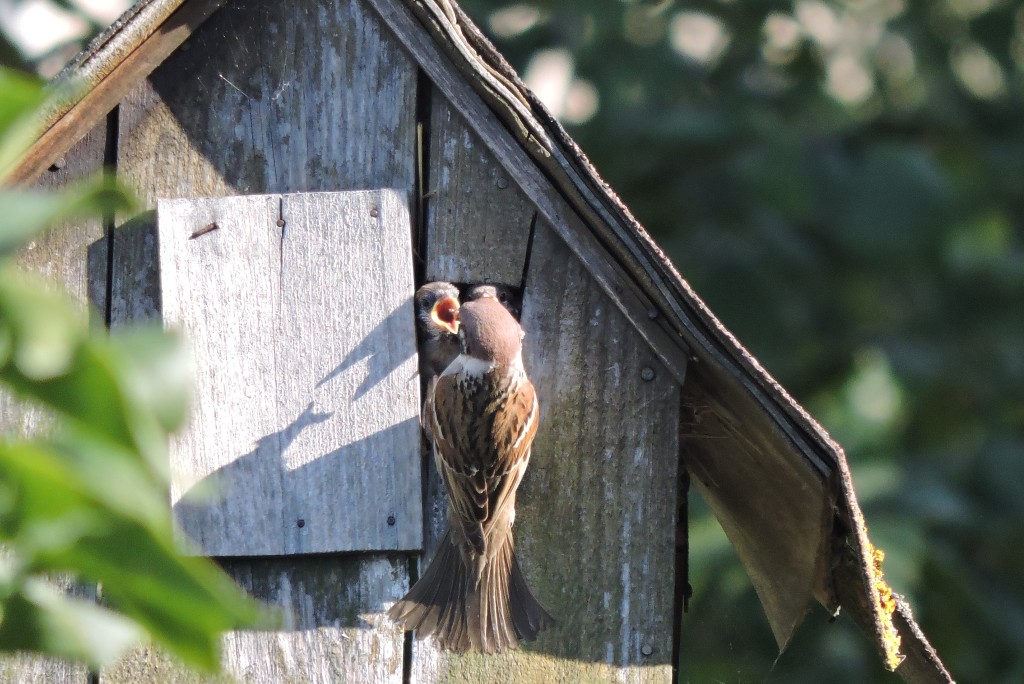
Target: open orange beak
<point x="445" y="313"/>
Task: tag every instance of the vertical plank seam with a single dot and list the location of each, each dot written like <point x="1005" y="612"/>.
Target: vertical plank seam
<point x="424" y="102"/>
<point x="529" y="254"/>
<point x="286" y="515"/>
<point x="424" y="98"/>
<point x="682" y="589"/>
<point x="110" y="167"/>
<point x="110" y="147"/>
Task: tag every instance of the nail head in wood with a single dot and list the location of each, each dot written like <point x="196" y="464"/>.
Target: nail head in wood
<point x="391" y="520"/>
<point x="374" y="212"/>
<point x="647" y="373"/>
<point x="646" y="649"/>
<point x="300" y="522"/>
<point x="502" y="183"/>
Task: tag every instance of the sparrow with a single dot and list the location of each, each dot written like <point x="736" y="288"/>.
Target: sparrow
<point x="437" y="323"/>
<point x="483" y="415"/>
<point x="437" y="306"/>
<point x="503" y="293"/>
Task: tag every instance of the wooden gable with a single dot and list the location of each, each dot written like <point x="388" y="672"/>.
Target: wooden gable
<point x="634" y="373"/>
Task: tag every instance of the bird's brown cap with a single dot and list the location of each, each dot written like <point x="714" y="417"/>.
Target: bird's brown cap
<point x="489" y="332"/>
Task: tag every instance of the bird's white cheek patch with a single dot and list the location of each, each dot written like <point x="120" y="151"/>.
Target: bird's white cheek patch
<point x="475" y="367"/>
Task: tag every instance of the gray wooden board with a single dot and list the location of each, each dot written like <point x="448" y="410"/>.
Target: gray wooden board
<point x="334" y="627"/>
<point x="305" y="416"/>
<point x="269" y="97"/>
<point x="773" y="510"/>
<point x="524" y="173"/>
<point x="74" y="256"/>
<point x="264" y="97"/>
<point x="478" y="219"/>
<point x="595" y="523"/>
<point x="273" y="97"/>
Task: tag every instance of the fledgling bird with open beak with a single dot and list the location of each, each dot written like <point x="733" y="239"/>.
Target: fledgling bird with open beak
<point x="483" y="416"/>
<point x="437" y="322"/>
<point x="437" y="307"/>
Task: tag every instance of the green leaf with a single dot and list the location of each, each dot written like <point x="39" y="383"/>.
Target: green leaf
<point x="23" y="94"/>
<point x="39" y="618"/>
<point x="25" y="214"/>
<point x="157" y="371"/>
<point x="53" y="362"/>
<point x="44" y="326"/>
<point x="20" y="122"/>
<point x="66" y="518"/>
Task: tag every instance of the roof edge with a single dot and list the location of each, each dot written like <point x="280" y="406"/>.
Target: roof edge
<point x="95" y="81"/>
<point x="693" y="324"/>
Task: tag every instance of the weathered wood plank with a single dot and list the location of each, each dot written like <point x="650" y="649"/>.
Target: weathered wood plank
<point x="266" y="97"/>
<point x="300" y="314"/>
<point x="524" y="173"/>
<point x="477" y="225"/>
<point x="73" y="255"/>
<point x="478" y="220"/>
<point x="783" y="551"/>
<point x="270" y="97"/>
<point x="595" y="523"/>
<point x="334" y="627"/>
<point x="112" y="74"/>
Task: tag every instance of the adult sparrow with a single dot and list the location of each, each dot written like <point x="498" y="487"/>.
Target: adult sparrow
<point x="483" y="416"/>
<point x="503" y="293"/>
<point x="437" y="306"/>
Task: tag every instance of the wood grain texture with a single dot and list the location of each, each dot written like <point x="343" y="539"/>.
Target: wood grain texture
<point x="595" y="523"/>
<point x="127" y="58"/>
<point x="334" y="629"/>
<point x="72" y="255"/>
<point x="774" y="511"/>
<point x="305" y="414"/>
<point x="269" y="97"/>
<point x="523" y="172"/>
<point x="478" y="219"/>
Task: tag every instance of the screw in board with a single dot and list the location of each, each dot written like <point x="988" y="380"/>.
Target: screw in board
<point x="647" y="373"/>
<point x="300" y="522"/>
<point x="391" y="520"/>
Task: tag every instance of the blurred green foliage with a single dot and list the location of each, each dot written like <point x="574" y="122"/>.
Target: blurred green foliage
<point x="86" y="497"/>
<point x="843" y="183"/>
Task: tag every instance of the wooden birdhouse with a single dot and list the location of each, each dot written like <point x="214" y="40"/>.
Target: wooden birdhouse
<point x="305" y="166"/>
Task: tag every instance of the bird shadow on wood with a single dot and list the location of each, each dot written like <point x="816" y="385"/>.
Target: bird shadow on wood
<point x="313" y="589"/>
<point x="205" y="505"/>
<point x="379" y="349"/>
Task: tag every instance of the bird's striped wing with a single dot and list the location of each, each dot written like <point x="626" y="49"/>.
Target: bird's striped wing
<point x="482" y="435"/>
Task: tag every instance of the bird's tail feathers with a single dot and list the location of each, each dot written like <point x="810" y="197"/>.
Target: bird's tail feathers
<point x="462" y="612"/>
